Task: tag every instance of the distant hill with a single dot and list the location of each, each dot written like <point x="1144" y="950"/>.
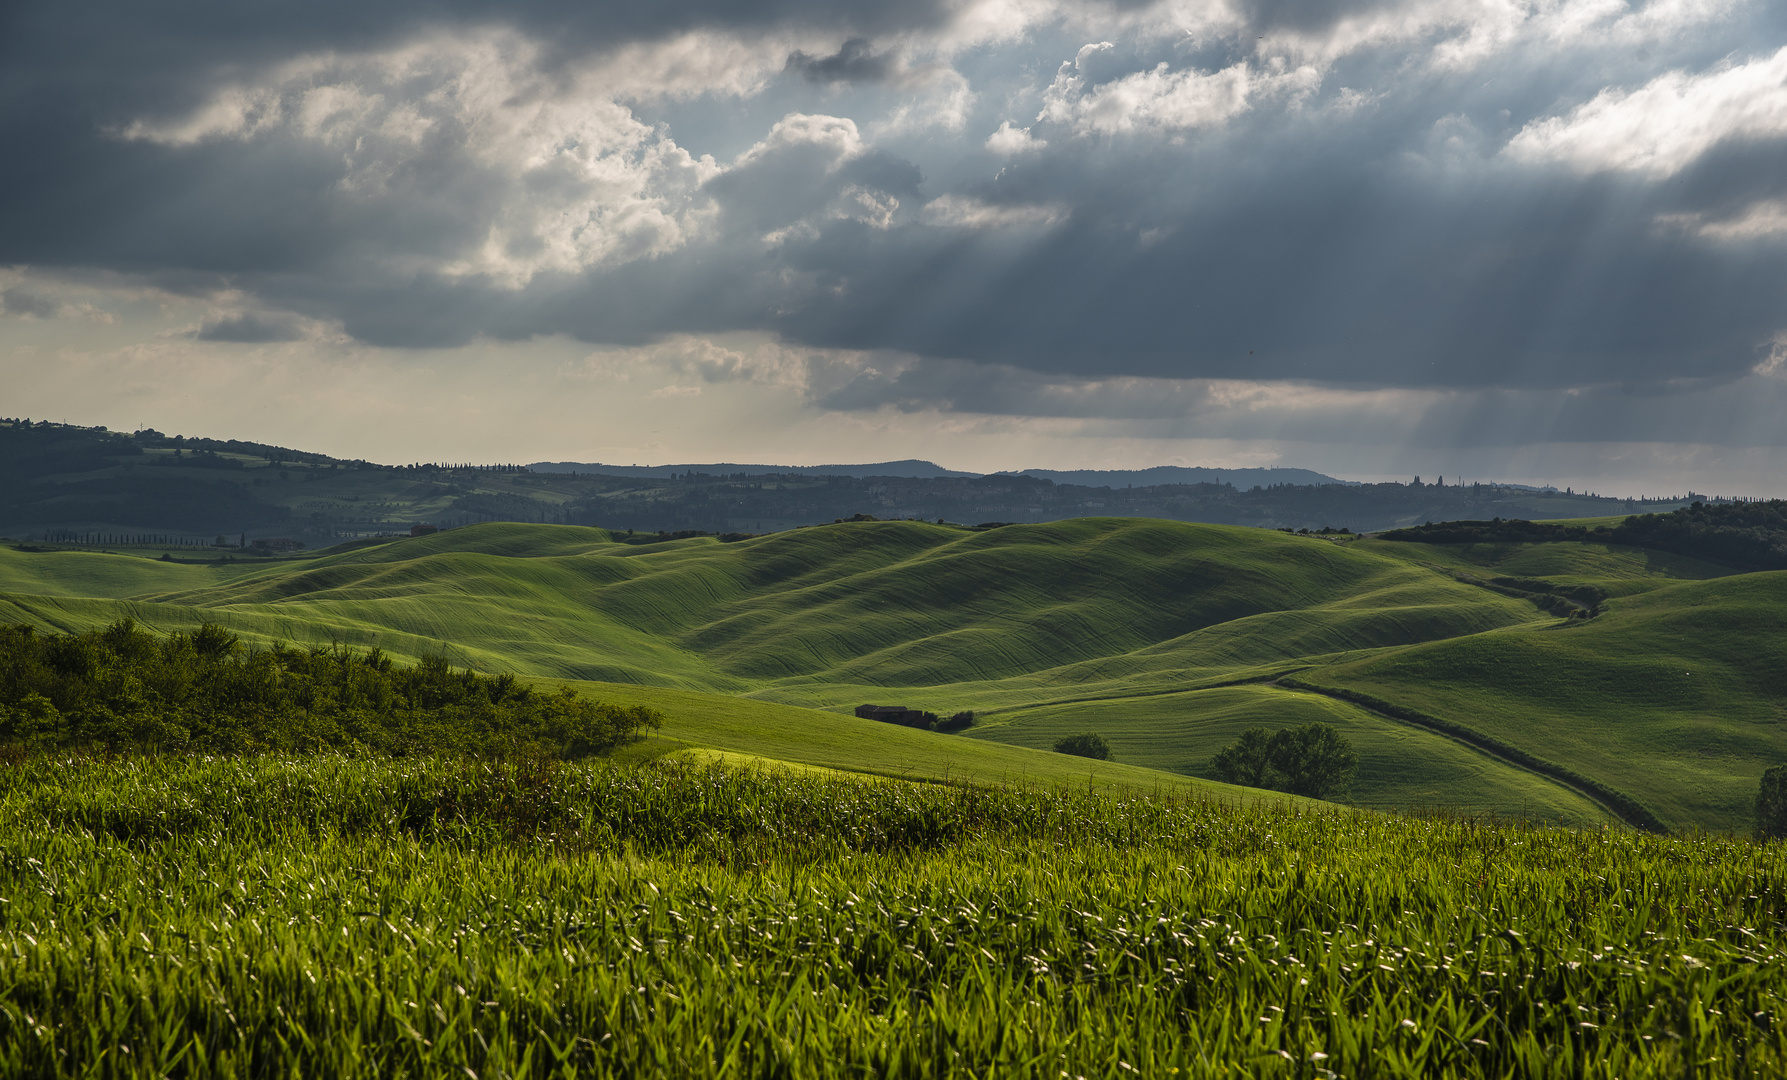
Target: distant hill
<point x="910" y="468"/>
<point x="1653" y="695"/>
<point x="1176" y="474"/>
<point x="60" y="483"/>
<point x="913" y="469"/>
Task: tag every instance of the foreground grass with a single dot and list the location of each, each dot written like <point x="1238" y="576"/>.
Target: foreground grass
<point x="326" y="916"/>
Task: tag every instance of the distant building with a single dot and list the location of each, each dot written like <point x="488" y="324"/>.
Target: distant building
<point x="896" y="714"/>
<point x="422" y="530"/>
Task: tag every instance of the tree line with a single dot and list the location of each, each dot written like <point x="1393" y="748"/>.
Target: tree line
<point x="1743" y="536"/>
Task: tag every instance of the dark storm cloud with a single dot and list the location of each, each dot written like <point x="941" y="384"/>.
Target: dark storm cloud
<point x="854" y="62"/>
<point x="250" y="328"/>
<point x="20" y="300"/>
<point x="1152" y="226"/>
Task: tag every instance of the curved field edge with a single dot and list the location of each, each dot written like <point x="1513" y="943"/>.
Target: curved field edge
<point x="1628" y="809"/>
<point x="1675" y="699"/>
<point x="790" y="734"/>
<point x="1401" y="766"/>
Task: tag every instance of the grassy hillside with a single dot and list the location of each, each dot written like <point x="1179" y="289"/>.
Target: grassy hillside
<point x="1678" y="695"/>
<point x="1136" y="628"/>
<point x="771" y="732"/>
<point x="362" y="917"/>
<point x="1399" y="766"/>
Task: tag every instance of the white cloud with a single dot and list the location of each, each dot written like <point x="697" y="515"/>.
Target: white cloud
<point x="581" y="180"/>
<point x="964" y="212"/>
<point x="1762" y="220"/>
<point x="1461" y="35"/>
<point x="943" y="101"/>
<point x="836" y="136"/>
<point x="1147" y="100"/>
<point x="1665" y="125"/>
<point x="1009" y="141"/>
<point x="1163" y="100"/>
<point x="1776" y="359"/>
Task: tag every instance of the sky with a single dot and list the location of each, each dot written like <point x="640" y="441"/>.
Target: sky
<point x="1530" y="240"/>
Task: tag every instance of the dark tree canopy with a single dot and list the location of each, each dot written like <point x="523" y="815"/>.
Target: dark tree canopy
<point x="1314" y="760"/>
<point x="1744" y="536"/>
<point x="1086" y="744"/>
<point x="1771" y="804"/>
<point x="1246" y="761"/>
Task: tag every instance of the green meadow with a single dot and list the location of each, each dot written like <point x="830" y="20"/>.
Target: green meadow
<point x="1167" y="638"/>
<point x="768" y="886"/>
<point x="367" y="917"/>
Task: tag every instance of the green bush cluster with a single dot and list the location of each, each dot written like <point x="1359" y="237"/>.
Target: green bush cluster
<point x="1771" y="804"/>
<point x="1086" y="744"/>
<point x="125" y="689"/>
<point x="1313" y="760"/>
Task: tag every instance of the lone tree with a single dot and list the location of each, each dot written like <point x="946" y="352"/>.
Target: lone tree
<point x="1246" y="761"/>
<point x="1084" y="745"/>
<point x="1771" y="804"/>
<point x="1313" y="760"/>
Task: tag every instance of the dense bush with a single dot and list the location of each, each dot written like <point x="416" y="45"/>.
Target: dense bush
<point x="123" y="688"/>
<point x="957" y="722"/>
<point x="1313" y="760"/>
<point x="1084" y="745"/>
<point x="1771" y="805"/>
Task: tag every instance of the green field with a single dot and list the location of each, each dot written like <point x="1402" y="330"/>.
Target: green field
<point x="364" y="917"/>
<point x="1168" y="638"/>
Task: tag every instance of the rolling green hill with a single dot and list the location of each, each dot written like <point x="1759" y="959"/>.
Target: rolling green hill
<point x="1168" y="638"/>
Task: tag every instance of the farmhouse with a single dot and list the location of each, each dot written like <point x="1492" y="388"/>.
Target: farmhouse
<point x="892" y="714"/>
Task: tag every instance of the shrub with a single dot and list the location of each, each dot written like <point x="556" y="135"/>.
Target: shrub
<point x="1771" y="804"/>
<point x="957" y="722"/>
<point x="1084" y="745"/>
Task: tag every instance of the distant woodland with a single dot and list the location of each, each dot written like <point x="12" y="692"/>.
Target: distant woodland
<point x="1745" y="535"/>
<point x="89" y="486"/>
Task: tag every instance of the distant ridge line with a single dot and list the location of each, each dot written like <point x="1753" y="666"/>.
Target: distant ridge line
<point x="910" y="467"/>
<point x="1180" y="474"/>
<point x="914" y="468"/>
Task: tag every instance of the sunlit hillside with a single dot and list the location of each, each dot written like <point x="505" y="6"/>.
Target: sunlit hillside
<point x="1167" y="638"/>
